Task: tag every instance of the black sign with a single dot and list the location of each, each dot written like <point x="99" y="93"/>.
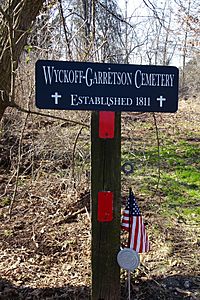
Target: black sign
<point x="106" y="87"/>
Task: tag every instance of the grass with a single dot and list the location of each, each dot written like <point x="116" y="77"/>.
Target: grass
<point x="179" y="164"/>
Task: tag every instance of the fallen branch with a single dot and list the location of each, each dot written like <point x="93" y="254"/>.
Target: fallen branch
<point x="71" y="217"/>
<point x="28" y="111"/>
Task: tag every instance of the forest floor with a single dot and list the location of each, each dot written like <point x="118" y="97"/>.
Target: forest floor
<point x="45" y="230"/>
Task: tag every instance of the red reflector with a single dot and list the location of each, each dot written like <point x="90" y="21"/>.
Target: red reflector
<point x="106" y="124"/>
<point x="105" y="206"/>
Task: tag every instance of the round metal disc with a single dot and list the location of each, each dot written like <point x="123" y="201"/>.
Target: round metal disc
<point x="128" y="259"/>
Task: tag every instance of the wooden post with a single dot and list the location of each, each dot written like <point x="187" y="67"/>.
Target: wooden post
<point x="105" y="176"/>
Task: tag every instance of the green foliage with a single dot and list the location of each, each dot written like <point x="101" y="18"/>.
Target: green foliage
<point x="28" y="49"/>
<point x="5" y="201"/>
<point x="179" y="184"/>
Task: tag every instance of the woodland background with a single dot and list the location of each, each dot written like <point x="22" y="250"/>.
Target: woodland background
<point x="45" y="230"/>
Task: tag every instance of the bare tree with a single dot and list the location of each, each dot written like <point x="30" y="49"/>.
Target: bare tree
<point x="161" y="38"/>
<point x="16" y="19"/>
<point x="189" y="31"/>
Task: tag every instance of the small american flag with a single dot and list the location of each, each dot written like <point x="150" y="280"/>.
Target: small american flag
<point x="133" y="223"/>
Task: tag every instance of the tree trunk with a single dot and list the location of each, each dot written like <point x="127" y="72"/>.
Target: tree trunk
<point x="15" y="23"/>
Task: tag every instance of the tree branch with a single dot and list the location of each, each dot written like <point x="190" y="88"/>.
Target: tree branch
<point x="64" y="28"/>
<point x="14" y="105"/>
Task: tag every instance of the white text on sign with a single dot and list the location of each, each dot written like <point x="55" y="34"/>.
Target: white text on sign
<point x="91" y="77"/>
<point x="109" y="101"/>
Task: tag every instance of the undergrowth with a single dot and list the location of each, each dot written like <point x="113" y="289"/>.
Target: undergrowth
<point x="46" y="243"/>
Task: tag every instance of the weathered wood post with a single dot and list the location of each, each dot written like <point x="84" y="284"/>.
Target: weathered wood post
<point x="105" y="176"/>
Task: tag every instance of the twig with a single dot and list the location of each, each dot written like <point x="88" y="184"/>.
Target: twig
<point x="7" y="185"/>
<point x="150" y="277"/>
<point x="11" y="37"/>
<point x="73" y="154"/>
<point x="70" y="217"/>
<point x="28" y="111"/>
<point x="87" y="213"/>
<point x="18" y="167"/>
<point x="6" y="16"/>
<point x="34" y="238"/>
<point x="118" y="17"/>
<point x="158" y="147"/>
<point x="64" y="28"/>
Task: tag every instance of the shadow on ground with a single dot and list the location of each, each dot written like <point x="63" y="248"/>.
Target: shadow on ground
<point x="176" y="287"/>
<point x="169" y="288"/>
<point x="8" y="291"/>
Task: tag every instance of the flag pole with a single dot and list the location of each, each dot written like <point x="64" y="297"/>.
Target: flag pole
<point x="129" y="285"/>
<point x="129" y="231"/>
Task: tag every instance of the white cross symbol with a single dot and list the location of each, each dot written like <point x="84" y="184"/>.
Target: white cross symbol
<point x="56" y="97"/>
<point x="161" y="99"/>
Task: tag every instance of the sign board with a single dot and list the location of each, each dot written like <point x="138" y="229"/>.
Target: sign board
<point x="106" y="87"/>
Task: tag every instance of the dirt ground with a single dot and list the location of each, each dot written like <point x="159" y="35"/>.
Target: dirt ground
<point x="46" y="255"/>
<point x="45" y="248"/>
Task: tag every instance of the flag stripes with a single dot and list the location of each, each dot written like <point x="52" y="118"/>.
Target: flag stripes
<point x="132" y="222"/>
<point x="139" y="240"/>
